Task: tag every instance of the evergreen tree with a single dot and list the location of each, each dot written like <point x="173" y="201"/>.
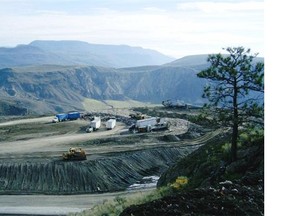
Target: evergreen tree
<point x="235" y="90"/>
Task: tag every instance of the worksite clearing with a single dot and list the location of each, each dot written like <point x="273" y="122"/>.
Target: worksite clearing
<point x="32" y="163"/>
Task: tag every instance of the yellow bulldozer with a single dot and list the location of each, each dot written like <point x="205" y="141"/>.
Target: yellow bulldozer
<point x="74" y="154"/>
<point x="137" y="116"/>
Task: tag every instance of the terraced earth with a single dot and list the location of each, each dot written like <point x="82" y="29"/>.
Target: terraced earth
<point x="31" y="152"/>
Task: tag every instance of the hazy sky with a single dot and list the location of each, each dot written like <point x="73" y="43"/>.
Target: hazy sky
<point x="173" y="27"/>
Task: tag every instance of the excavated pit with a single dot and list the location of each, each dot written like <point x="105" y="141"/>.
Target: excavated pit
<point x="102" y="174"/>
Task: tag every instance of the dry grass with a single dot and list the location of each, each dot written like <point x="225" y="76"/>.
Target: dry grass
<point x="119" y="203"/>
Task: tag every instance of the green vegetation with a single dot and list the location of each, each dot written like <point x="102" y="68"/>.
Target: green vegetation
<point x="9" y="109"/>
<point x="233" y="79"/>
<point x="119" y="203"/>
<point x="91" y="105"/>
<point x="128" y="103"/>
<point x="206" y="165"/>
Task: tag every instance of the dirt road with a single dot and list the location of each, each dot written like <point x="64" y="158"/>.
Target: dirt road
<point x="58" y="205"/>
<point x="54" y="143"/>
<point x="25" y="121"/>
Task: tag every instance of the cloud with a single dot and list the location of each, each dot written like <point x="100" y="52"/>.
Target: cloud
<point x="209" y="7"/>
<point x="173" y="32"/>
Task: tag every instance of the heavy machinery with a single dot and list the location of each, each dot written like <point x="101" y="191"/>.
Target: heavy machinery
<point x="176" y="104"/>
<point x="149" y="124"/>
<point x="137" y="116"/>
<point x="74" y="154"/>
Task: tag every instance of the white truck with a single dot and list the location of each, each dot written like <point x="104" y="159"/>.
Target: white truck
<point x="94" y="125"/>
<point x="149" y="124"/>
<point x="110" y="124"/>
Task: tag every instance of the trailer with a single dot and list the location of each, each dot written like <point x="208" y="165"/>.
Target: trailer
<point x="66" y="116"/>
<point x="94" y="125"/>
<point x="110" y="124"/>
<point x="149" y="124"/>
<point x="73" y="115"/>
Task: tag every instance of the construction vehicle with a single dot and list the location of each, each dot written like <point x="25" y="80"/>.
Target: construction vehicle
<point x="74" y="154"/>
<point x="176" y="104"/>
<point x="149" y="124"/>
<point x="94" y="125"/>
<point x="137" y="116"/>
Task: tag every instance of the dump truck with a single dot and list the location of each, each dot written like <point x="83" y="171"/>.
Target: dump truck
<point x="94" y="125"/>
<point x="74" y="154"/>
<point x="149" y="124"/>
<point x="110" y="124"/>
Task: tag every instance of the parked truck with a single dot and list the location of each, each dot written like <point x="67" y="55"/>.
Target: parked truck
<point x="73" y="115"/>
<point x="60" y="117"/>
<point x="94" y="125"/>
<point x="66" y="116"/>
<point x="176" y="104"/>
<point x="110" y="124"/>
<point x="149" y="124"/>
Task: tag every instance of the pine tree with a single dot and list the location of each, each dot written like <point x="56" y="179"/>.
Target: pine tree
<point x="235" y="90"/>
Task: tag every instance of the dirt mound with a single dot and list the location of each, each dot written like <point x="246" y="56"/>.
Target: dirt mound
<point x="103" y="174"/>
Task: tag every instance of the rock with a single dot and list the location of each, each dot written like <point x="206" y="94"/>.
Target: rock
<point x="226" y="183"/>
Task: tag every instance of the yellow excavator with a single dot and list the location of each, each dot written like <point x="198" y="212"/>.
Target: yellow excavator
<point x="74" y="154"/>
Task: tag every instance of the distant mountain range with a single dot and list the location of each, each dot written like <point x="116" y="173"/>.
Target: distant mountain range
<point x="48" y="77"/>
<point x="79" y="53"/>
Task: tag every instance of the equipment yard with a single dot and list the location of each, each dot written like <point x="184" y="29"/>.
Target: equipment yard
<point x="32" y="165"/>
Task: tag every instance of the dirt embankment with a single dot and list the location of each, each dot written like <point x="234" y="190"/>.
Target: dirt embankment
<point x="104" y="174"/>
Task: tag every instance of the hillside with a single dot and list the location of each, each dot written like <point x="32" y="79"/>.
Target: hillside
<point x="215" y="185"/>
<point x="42" y="89"/>
<point x="79" y="53"/>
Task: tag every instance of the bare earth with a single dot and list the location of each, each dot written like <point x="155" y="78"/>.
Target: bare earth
<point x="52" y="143"/>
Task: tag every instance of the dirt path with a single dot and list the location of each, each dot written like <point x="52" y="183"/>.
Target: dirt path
<point x="25" y="121"/>
<point x="58" y="205"/>
<point x="54" y="142"/>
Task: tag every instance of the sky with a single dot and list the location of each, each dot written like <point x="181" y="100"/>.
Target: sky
<point x="173" y="27"/>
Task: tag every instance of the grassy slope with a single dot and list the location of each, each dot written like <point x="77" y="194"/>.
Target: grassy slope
<point x="96" y="105"/>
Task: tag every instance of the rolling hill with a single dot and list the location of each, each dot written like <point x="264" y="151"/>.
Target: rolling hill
<point x="79" y="53"/>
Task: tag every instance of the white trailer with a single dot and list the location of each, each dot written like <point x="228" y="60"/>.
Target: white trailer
<point x="110" y="124"/>
<point x="150" y="124"/>
<point x="94" y="125"/>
